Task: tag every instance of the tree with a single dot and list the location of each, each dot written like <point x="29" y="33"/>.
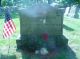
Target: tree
<point x="50" y="1"/>
<point x="70" y="2"/>
<point x="3" y="2"/>
<point x="0" y="2"/>
<point x="9" y="2"/>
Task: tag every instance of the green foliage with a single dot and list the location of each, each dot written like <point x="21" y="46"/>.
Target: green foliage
<point x="70" y="2"/>
<point x="77" y="1"/>
<point x="9" y="2"/>
<point x="0" y="2"/>
<point x="23" y="2"/>
<point x="3" y="2"/>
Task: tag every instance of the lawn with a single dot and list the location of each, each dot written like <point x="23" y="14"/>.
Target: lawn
<point x="71" y="30"/>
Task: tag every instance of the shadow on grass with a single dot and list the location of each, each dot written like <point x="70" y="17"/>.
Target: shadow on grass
<point x="8" y="57"/>
<point x="68" y="28"/>
<point x="70" y="53"/>
<point x="60" y="53"/>
<point x="63" y="52"/>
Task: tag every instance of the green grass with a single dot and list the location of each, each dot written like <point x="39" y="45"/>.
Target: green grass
<point x="71" y="31"/>
<point x="74" y="35"/>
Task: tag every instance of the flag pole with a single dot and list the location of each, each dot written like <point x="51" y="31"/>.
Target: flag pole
<point x="9" y="46"/>
<point x="9" y="26"/>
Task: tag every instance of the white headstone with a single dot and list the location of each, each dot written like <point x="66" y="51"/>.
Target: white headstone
<point x="72" y="11"/>
<point x="66" y="11"/>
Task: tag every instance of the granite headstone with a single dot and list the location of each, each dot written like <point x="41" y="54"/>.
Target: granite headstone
<point x="41" y="19"/>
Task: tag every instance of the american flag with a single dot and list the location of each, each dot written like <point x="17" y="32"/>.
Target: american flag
<point x="9" y="26"/>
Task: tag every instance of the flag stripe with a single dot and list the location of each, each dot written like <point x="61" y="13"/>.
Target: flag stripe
<point x="13" y="26"/>
<point x="4" y="35"/>
<point x="9" y="28"/>
<point x="5" y="28"/>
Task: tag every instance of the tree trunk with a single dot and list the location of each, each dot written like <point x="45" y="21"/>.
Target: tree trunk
<point x="0" y="2"/>
<point x="49" y="1"/>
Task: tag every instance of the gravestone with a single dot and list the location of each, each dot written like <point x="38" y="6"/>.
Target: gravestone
<point x="67" y="11"/>
<point x="72" y="11"/>
<point x="41" y="19"/>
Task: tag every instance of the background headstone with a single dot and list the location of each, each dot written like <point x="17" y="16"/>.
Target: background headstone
<point x="72" y="11"/>
<point x="66" y="11"/>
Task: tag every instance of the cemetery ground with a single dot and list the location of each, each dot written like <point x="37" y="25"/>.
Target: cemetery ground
<point x="71" y="30"/>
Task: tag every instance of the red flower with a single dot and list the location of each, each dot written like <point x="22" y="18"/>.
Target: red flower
<point x="45" y="36"/>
